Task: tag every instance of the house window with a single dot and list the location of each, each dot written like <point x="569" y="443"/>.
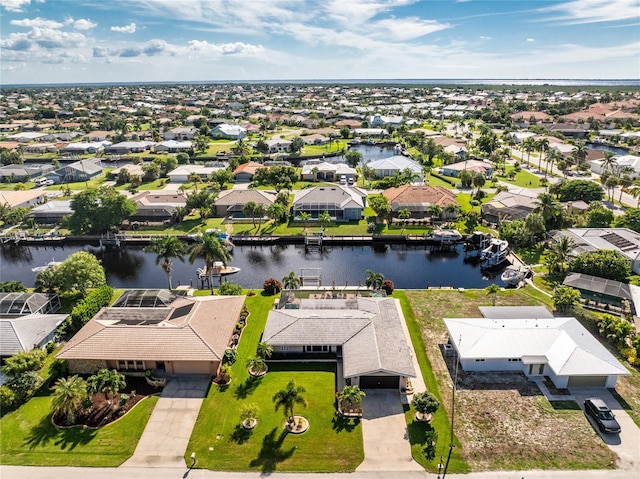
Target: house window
<point x="122" y="364"/>
<point x="514" y="360"/>
<point x="284" y="348"/>
<point x="139" y="365"/>
<point x="479" y="360"/>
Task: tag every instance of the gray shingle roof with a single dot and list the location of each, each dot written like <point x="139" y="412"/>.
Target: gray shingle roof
<point x="369" y="329"/>
<point x="24" y="333"/>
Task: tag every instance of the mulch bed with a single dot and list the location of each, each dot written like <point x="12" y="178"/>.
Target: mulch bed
<point x="100" y="413"/>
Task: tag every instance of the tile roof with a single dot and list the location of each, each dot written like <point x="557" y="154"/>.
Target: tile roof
<point x="191" y="329"/>
<point x="433" y="195"/>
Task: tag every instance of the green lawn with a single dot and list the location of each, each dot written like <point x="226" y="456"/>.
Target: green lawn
<point x="330" y="445"/>
<point x="420" y="451"/>
<point x="29" y="438"/>
<point x="157" y="184"/>
<point x="523" y="178"/>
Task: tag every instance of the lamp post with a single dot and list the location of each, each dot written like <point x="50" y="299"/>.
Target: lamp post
<point x="193" y="459"/>
<point x="453" y="407"/>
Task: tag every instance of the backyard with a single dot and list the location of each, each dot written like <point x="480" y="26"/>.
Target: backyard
<point x="330" y="445"/>
<point x="502" y="420"/>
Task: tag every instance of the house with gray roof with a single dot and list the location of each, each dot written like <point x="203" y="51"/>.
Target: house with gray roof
<point x="342" y="203"/>
<point x="365" y="335"/>
<point x="82" y="170"/>
<point x="317" y="170"/>
<point x="51" y="212"/>
<point x="229" y="132"/>
<point x="27" y="321"/>
<point x="230" y="203"/>
<point x="22" y="173"/>
<point x="623" y="240"/>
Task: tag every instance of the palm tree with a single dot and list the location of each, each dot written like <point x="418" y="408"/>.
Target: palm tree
<point x="257" y="364"/>
<point x="374" y="280"/>
<point x="609" y="161"/>
<point x="195" y="179"/>
<point x="107" y="381"/>
<point x="479" y="181"/>
<point x="528" y="145"/>
<point x="543" y="146"/>
<point x="212" y="249"/>
<point x="167" y="248"/>
<point x="351" y="395"/>
<point x="264" y="350"/>
<point x="548" y="207"/>
<point x="552" y="156"/>
<point x="291" y="281"/>
<point x="67" y="398"/>
<point x="493" y="290"/>
<point x="452" y="210"/>
<point x="635" y="191"/>
<point x="324" y="219"/>
<point x="425" y="403"/>
<point x="249" y="209"/>
<point x="435" y="211"/>
<point x="561" y="252"/>
<point x="535" y="225"/>
<point x="288" y="398"/>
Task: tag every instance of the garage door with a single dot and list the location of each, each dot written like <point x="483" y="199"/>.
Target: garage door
<point x="192" y="367"/>
<point x="587" y="381"/>
<point x="380" y="382"/>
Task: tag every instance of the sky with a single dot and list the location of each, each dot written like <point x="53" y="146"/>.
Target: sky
<point x="94" y="41"/>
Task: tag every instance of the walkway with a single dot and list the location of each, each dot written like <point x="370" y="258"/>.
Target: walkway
<point x="166" y="436"/>
<point x="384" y="428"/>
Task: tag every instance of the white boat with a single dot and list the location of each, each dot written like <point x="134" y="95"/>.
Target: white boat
<point x="446" y="236"/>
<point x="49" y="265"/>
<point x="219" y="269"/>
<point x="496" y="253"/>
<point x="512" y="275"/>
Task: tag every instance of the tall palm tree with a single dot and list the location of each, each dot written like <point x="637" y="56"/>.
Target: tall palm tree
<point x="324" y="219"/>
<point x="548" y="207"/>
<point x="374" y="280"/>
<point x="563" y="248"/>
<point x="543" y="145"/>
<point x="67" y="398"/>
<point x="288" y="398"/>
<point x="166" y="248"/>
<point x="609" y="162"/>
<point x="435" y="211"/>
<point x="635" y="191"/>
<point x="212" y="249"/>
<point x="553" y="155"/>
<point x="528" y="145"/>
<point x="291" y="281"/>
<point x="580" y="152"/>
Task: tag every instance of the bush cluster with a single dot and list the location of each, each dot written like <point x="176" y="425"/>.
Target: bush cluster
<point x="86" y="309"/>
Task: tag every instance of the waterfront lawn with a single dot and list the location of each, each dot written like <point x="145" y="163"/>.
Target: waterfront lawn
<point x="531" y="434"/>
<point x="30" y="439"/>
<point x="220" y="443"/>
<point x="428" y="457"/>
<point x="523" y="178"/>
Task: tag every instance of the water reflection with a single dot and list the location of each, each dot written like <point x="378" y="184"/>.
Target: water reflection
<point x="406" y="266"/>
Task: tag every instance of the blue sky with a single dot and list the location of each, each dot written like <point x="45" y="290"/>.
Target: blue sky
<point x="75" y="41"/>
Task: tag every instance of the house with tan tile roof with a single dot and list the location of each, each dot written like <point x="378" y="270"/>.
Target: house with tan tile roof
<point x="419" y="199"/>
<point x="189" y="336"/>
<point x="244" y="172"/>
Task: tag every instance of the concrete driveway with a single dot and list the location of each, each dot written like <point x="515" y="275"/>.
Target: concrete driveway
<point x="384" y="431"/>
<point x="626" y="444"/>
<point x="164" y="440"/>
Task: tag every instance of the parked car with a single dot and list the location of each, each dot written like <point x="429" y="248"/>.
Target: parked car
<point x="600" y="412"/>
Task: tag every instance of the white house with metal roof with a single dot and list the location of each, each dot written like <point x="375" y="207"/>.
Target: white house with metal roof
<point x="394" y="164"/>
<point x="536" y="344"/>
<point x="365" y="334"/>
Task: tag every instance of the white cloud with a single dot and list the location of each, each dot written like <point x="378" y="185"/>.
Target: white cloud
<point x="131" y="28"/>
<point x="237" y="48"/>
<point x="402" y="29"/>
<point x="531" y="39"/>
<point x="84" y="24"/>
<point x="14" y="5"/>
<point x="36" y="23"/>
<point x="594" y="11"/>
<point x="483" y="37"/>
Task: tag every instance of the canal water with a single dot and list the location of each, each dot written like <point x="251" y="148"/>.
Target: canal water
<point x="407" y="267"/>
<point x="613" y="149"/>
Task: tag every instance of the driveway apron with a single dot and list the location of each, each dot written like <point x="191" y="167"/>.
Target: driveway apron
<point x="164" y="441"/>
<point x="384" y="431"/>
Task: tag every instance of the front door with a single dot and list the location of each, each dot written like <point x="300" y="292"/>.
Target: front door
<point x="536" y="369"/>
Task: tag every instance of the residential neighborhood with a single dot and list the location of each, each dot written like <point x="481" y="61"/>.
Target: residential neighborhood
<point x="299" y="277"/>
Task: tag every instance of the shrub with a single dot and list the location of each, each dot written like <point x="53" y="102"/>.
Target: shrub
<point x="230" y="289"/>
<point x="24" y="362"/>
<point x="230" y="356"/>
<point x="123" y="399"/>
<point x="425" y="403"/>
<point x="225" y="373"/>
<point x="7" y="397"/>
<point x="272" y="286"/>
<point x="388" y="286"/>
<point x="25" y="385"/>
<point x="50" y="347"/>
<point x="58" y="369"/>
<point x="371" y="227"/>
<point x="86" y="309"/>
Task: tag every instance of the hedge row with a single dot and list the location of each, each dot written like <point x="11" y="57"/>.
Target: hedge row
<point x="86" y="309"/>
<point x="446" y="179"/>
